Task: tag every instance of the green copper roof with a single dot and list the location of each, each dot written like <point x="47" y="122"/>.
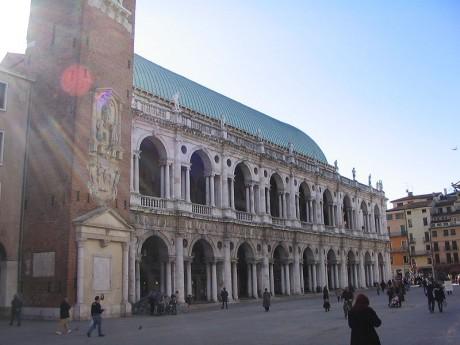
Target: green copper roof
<point x="165" y="84"/>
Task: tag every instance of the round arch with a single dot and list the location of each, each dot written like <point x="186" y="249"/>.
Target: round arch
<point x="377" y="219"/>
<point x="364" y="217"/>
<point x="200" y="170"/>
<point x="328" y="208"/>
<point x="245" y="266"/>
<point x="305" y="211"/>
<point x="203" y="270"/>
<point x="280" y="258"/>
<point x="152" y="164"/>
<point x="277" y="196"/>
<point x="352" y="269"/>
<point x="309" y="283"/>
<point x="347" y="212"/>
<point x="241" y="189"/>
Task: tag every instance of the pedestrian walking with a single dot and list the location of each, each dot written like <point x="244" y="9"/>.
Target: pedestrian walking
<point x="64" y="316"/>
<point x="266" y="300"/>
<point x="390" y="293"/>
<point x="383" y="286"/>
<point x="16" y="310"/>
<point x="363" y="320"/>
<point x="96" y="314"/>
<point x="224" y="297"/>
<point x="430" y="296"/>
<point x="326" y="305"/>
<point x="439" y="296"/>
<point x="338" y="294"/>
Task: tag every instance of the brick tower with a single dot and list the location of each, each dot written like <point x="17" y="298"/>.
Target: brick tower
<point x="75" y="228"/>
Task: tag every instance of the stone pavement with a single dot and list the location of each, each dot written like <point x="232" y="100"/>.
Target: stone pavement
<point x="290" y="321"/>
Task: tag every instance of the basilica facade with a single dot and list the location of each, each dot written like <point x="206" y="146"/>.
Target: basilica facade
<point x="137" y="179"/>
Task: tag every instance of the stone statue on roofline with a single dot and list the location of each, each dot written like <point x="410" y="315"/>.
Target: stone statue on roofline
<point x="176" y="105"/>
<point x="259" y="134"/>
<point x="370" y="180"/>
<point x="336" y="166"/>
<point x="291" y="148"/>
<point x="353" y="172"/>
<point x="222" y="122"/>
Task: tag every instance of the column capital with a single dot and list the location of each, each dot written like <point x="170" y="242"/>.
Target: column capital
<point x="137" y="153"/>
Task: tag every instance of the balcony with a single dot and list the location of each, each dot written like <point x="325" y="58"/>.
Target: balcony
<point x="201" y="209"/>
<point x="306" y="225"/>
<point x="244" y="216"/>
<point x="146" y="202"/>
<point x="278" y="221"/>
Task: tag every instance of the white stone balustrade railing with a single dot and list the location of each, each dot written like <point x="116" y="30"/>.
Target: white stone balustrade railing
<point x="244" y="216"/>
<point x="306" y="225"/>
<point x="278" y="221"/>
<point x="201" y="209"/>
<point x="148" y="201"/>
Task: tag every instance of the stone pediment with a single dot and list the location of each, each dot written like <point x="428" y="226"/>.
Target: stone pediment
<point x="103" y="217"/>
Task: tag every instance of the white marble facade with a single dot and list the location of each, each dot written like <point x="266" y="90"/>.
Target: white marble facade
<point x="213" y="207"/>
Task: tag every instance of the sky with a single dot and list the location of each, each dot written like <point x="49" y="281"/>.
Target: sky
<point x="375" y="83"/>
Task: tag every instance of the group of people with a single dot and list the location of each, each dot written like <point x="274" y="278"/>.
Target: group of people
<point x="435" y="293"/>
<point x="162" y="304"/>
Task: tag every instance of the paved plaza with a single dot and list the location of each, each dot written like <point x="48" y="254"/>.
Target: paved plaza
<point x="293" y="321"/>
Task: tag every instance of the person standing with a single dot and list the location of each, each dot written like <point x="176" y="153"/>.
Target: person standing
<point x="64" y="316"/>
<point x="16" y="310"/>
<point x="266" y="300"/>
<point x="430" y="296"/>
<point x="363" y="320"/>
<point x="224" y="297"/>
<point x="439" y="296"/>
<point x="96" y="312"/>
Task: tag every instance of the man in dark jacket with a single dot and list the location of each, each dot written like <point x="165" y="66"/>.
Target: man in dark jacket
<point x="362" y="320"/>
<point x="224" y="297"/>
<point x="96" y="311"/>
<point x="16" y="310"/>
<point x="64" y="316"/>
<point x="430" y="296"/>
<point x="439" y="296"/>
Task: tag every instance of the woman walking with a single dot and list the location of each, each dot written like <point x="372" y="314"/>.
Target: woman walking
<point x="362" y="320"/>
<point x="266" y="300"/>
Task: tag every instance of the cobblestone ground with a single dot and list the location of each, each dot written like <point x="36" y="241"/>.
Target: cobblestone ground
<point x="300" y="321"/>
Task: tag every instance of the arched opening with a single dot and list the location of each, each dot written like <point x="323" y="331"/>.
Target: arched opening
<point x="381" y="266"/>
<point x="352" y="270"/>
<point x="368" y="270"/>
<point x="276" y="196"/>
<point x="244" y="270"/>
<point x="309" y="271"/>
<point x="377" y="219"/>
<point x="203" y="272"/>
<point x="241" y="189"/>
<point x="364" y="217"/>
<point x="280" y="257"/>
<point x="151" y="167"/>
<point x="328" y="208"/>
<point x="305" y="208"/>
<point x="332" y="270"/>
<point x="199" y="172"/>
<point x="155" y="267"/>
<point x="347" y="213"/>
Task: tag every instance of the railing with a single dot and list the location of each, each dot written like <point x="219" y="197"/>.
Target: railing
<point x="201" y="209"/>
<point x="278" y="221"/>
<point x="148" y="201"/>
<point x="244" y="216"/>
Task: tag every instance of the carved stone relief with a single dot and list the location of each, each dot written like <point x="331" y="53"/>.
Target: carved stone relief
<point x="105" y="150"/>
<point x="115" y="10"/>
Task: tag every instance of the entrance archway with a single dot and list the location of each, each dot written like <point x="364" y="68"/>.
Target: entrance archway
<point x="280" y="257"/>
<point x="244" y="270"/>
<point x="332" y="270"/>
<point x="328" y="208"/>
<point x="151" y="167"/>
<point x="347" y="213"/>
<point x="241" y="189"/>
<point x="352" y="269"/>
<point x="368" y="270"/>
<point x="203" y="272"/>
<point x="305" y="207"/>
<point x="276" y="196"/>
<point x="309" y="271"/>
<point x="155" y="267"/>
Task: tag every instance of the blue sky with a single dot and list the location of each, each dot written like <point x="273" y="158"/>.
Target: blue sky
<point x="375" y="83"/>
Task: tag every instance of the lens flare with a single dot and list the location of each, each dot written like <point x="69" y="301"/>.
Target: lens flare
<point x="76" y="80"/>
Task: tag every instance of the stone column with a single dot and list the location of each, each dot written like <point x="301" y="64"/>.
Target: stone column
<point x="372" y="274"/>
<point x="344" y="280"/>
<point x="138" y="280"/>
<point x="132" y="272"/>
<point x="235" y="281"/>
<point x="355" y="276"/>
<point x="224" y="194"/>
<point x="137" y="157"/>
<point x="280" y="204"/>
<point x="285" y="214"/>
<point x="310" y="278"/>
<point x="131" y="173"/>
<point x="265" y="269"/>
<point x="263" y="200"/>
<point x="207" y="194"/>
<point x="227" y="269"/>
<point x="248" y="197"/>
<point x="81" y="272"/>
<point x="208" y="282"/>
<point x="232" y="192"/>
<point x="283" y="280"/>
<point x="187" y="184"/>
<point x="168" y="278"/>
<point x="296" y="271"/>
<point x="163" y="278"/>
<point x="315" y="283"/>
<point x="249" y="285"/>
<point x="125" y="264"/>
<point x="267" y="200"/>
<point x="167" y="182"/>
<point x="297" y="208"/>
<point x="272" y="280"/>
<point x="302" y="281"/>
<point x="336" y="281"/>
<point x="288" y="280"/>
<point x="162" y="181"/>
<point x="180" y="269"/>
<point x="214" y="281"/>
<point x="189" y="278"/>
<point x="252" y="199"/>
<point x="213" y="202"/>
<point x="254" y="280"/>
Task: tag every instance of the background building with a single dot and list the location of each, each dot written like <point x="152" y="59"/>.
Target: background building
<point x="409" y="224"/>
<point x="445" y="234"/>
